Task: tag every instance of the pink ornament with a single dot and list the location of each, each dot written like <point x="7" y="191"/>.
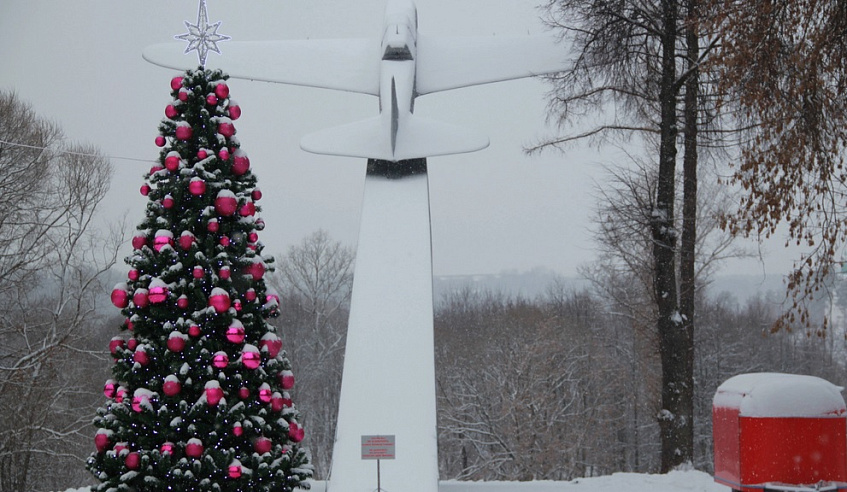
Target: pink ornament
<point x="250" y="295"/>
<point x="234" y="471"/>
<point x="168" y="202"/>
<point x="170" y="111"/>
<point x="222" y="90"/>
<point x="295" y="432"/>
<point x="176" y="341"/>
<point x="224" y="272"/>
<point x="202" y="154"/>
<point x="240" y="162"/>
<point x="184" y="132"/>
<point x="265" y="393"/>
<point x="213" y="225"/>
<point x="145" y="190"/>
<point x="224" y="241"/>
<point x="176" y="83"/>
<point x="133" y="274"/>
<point x="110" y="388"/>
<point x="236" y="304"/>
<point x="171" y="386"/>
<point x="272" y="299"/>
<point x="197" y="272"/>
<point x="279" y="402"/>
<point x="262" y="445"/>
<point x="286" y="379"/>
<point x="214" y="396"/>
<point x="243" y="393"/>
<point x="115" y="344"/>
<point x="129" y="325"/>
<point x="250" y="357"/>
<point x="120" y="296"/>
<point x="197" y="186"/>
<point x="256" y="194"/>
<point x="214" y="393"/>
<point x="160" y="141"/>
<point x="120" y="394"/>
<point x="186" y="239"/>
<point x="260" y="224"/>
<point x="139" y="241"/>
<point x="225" y="203"/>
<point x="235" y="332"/>
<point x="253" y="236"/>
<point x="276" y="403"/>
<point x="271" y="343"/>
<point x="172" y="162"/>
<point x="131" y="344"/>
<point x="224" y="154"/>
<point x="237" y="430"/>
<point x="102" y="440"/>
<point x="158" y="294"/>
<point x="155" y="168"/>
<point x="194" y="330"/>
<point x="248" y="209"/>
<point x="141" y="357"/>
<point x="219" y="300"/>
<point x="140" y="298"/>
<point x="183" y="94"/>
<point x="163" y="238"/>
<point x="256" y="270"/>
<point x="220" y="360"/>
<point x="211" y="100"/>
<point x="120" y="448"/>
<point x="234" y="111"/>
<point x="194" y="448"/>
<point x="167" y="448"/>
<point x="141" y="399"/>
<point x="182" y="302"/>
<point x="132" y="460"/>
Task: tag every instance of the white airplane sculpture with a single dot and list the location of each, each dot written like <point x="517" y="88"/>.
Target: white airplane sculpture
<point x="403" y="66"/>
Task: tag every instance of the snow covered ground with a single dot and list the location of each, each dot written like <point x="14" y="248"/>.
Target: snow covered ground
<point x="679" y="481"/>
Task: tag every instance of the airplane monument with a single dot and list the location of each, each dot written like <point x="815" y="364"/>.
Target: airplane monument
<point x="388" y="382"/>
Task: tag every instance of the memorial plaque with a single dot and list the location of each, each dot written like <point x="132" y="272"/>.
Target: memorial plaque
<point x="377" y="447"/>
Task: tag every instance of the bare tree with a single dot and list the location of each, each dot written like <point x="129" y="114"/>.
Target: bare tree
<point x="628" y="59"/>
<point x="51" y="268"/>
<point x="524" y="388"/>
<point x="624" y="273"/>
<point x="315" y="279"/>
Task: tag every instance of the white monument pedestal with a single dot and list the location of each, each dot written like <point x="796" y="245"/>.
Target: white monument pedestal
<point x="388" y="384"/>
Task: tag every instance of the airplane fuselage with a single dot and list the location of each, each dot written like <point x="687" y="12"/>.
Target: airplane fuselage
<point x="397" y="68"/>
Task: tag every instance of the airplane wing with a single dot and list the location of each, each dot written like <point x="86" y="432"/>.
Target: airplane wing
<point x="417" y="137"/>
<point x="446" y="63"/>
<point x="347" y="65"/>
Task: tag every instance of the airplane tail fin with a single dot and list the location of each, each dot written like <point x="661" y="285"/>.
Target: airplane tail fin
<point x="377" y="138"/>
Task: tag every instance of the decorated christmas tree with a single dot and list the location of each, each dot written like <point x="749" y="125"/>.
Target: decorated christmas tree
<point x="198" y="398"/>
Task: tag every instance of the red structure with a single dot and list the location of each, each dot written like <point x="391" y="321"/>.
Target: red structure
<point x="780" y="432"/>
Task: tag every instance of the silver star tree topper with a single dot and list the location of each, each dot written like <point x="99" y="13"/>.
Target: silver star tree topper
<point x="202" y="36"/>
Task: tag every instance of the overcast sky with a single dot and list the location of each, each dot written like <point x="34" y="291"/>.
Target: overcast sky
<point x="80" y="64"/>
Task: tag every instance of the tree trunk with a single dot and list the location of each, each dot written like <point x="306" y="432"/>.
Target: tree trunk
<point x="673" y="423"/>
<point x="689" y="228"/>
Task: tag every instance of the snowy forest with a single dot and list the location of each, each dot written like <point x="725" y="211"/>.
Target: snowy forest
<point x="730" y="113"/>
<point x="554" y="387"/>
